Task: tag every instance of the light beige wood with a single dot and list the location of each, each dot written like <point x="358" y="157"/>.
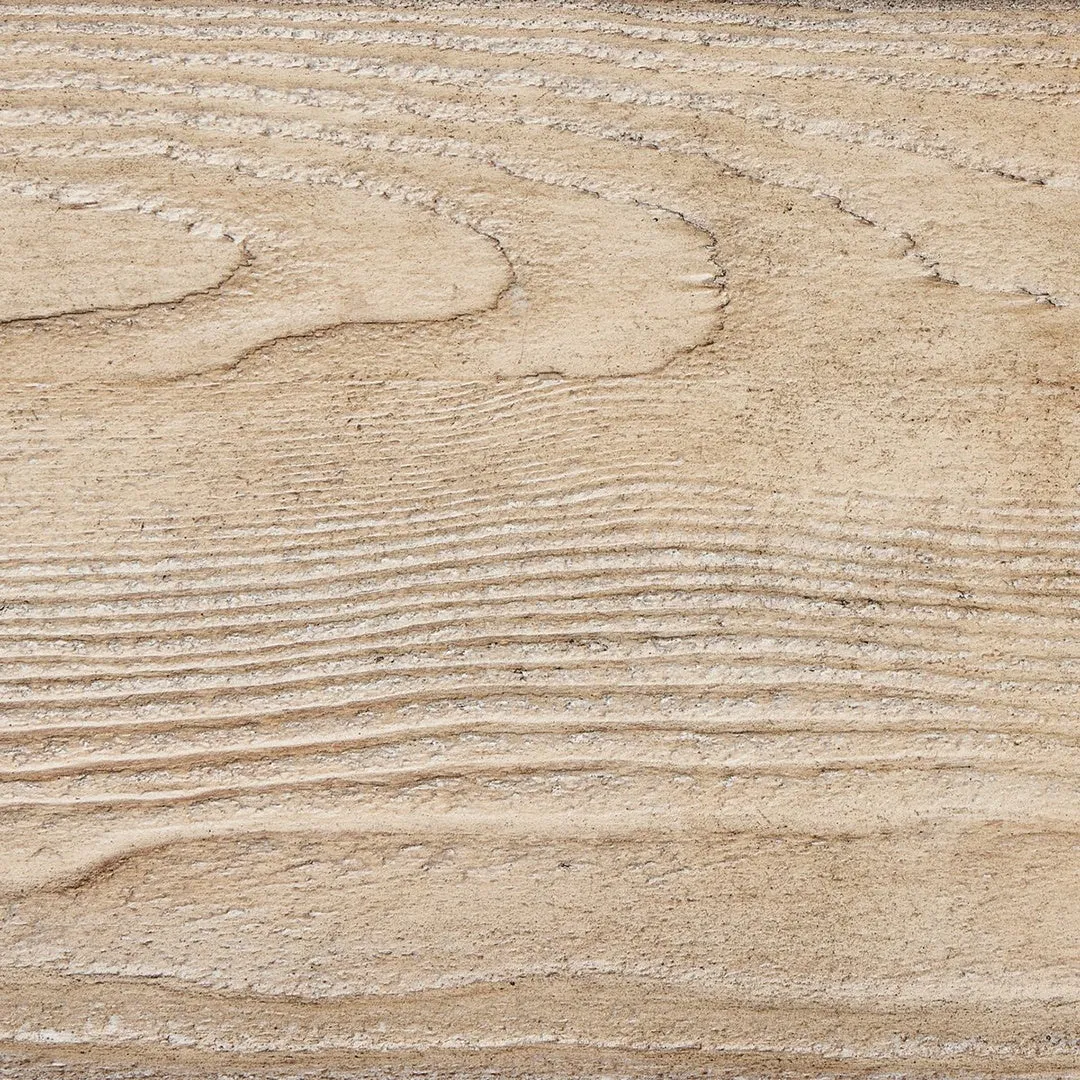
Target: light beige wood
<point x="539" y="539"/>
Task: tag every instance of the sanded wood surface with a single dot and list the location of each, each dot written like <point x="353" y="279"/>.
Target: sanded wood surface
<point x="539" y="540"/>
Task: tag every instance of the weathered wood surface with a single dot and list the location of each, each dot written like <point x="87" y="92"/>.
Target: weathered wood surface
<point x="539" y="540"/>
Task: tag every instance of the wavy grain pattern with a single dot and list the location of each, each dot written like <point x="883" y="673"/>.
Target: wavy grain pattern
<point x="539" y="539"/>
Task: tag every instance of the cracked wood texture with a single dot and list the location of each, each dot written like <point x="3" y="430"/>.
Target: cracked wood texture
<point x="539" y="540"/>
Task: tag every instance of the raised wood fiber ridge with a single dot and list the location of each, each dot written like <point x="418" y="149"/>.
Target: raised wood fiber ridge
<point x="539" y="540"/>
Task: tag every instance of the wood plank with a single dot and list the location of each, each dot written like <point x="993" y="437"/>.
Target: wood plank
<point x="539" y="539"/>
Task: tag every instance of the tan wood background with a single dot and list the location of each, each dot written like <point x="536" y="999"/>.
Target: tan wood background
<point x="539" y="539"/>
